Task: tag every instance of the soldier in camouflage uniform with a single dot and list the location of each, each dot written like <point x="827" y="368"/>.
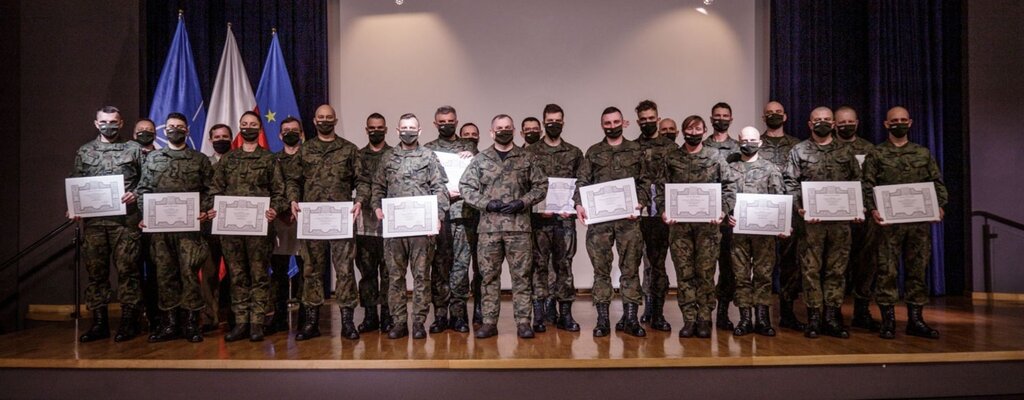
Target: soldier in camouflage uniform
<point x="504" y="182"/>
<point x="775" y="147"/>
<point x="287" y="245"/>
<point x="899" y="161"/>
<point x="409" y="170"/>
<point x="216" y="290"/>
<point x="145" y="134"/>
<point x="554" y="235"/>
<point x="178" y="255"/>
<point x="729" y="149"/>
<point x="822" y="158"/>
<point x="331" y="170"/>
<point x="249" y="170"/>
<point x="695" y="246"/>
<point x="611" y="159"/>
<point x="373" y="281"/>
<point x="754" y="255"/>
<point x="113" y="237"/>
<point x="468" y="222"/>
<point x="655" y="232"/>
<point x="450" y="286"/>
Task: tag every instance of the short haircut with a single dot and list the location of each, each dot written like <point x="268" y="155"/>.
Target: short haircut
<point x="721" y="104"/>
<point x="552" y="109"/>
<point x="376" y="116"/>
<point x="146" y="120"/>
<point x="611" y="110"/>
<point x="108" y="110"/>
<point x="846" y="108"/>
<point x="468" y="124"/>
<point x="693" y="119"/>
<point x="530" y="119"/>
<point x="176" y="115"/>
<point x="444" y="110"/>
<point x="291" y="119"/>
<point x="502" y="116"/>
<point x="409" y="116"/>
<point x="646" y="105"/>
<point x="219" y="126"/>
<point x="253" y="113"/>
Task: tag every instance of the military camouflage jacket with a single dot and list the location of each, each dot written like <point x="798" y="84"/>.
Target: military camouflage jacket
<point x="891" y="165"/>
<point x="518" y="177"/>
<point x="604" y="163"/>
<point x="776" y="149"/>
<point x="562" y="161"/>
<point x="97" y="158"/>
<point x="330" y="171"/>
<point x="455" y="146"/>
<point x="809" y="161"/>
<point x="371" y="162"/>
<point x="758" y="176"/>
<point x="704" y="166"/>
<point x="860" y="146"/>
<point x="186" y="170"/>
<point x="404" y="173"/>
<point x="729" y="149"/>
<point x="656" y="151"/>
<point x="255" y="173"/>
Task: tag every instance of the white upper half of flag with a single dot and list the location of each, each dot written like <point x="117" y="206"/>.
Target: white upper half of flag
<point x="232" y="93"/>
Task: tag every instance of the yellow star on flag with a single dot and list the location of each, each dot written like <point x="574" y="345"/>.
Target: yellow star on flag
<point x="270" y="116"/>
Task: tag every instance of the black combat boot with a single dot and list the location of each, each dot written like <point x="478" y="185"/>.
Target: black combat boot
<point x="916" y="325"/>
<point x="602" y="329"/>
<point x="440" y="320"/>
<point x="551" y="310"/>
<point x="387" y="323"/>
<point x="862" y="316"/>
<point x="478" y="314"/>
<point x="168" y="329"/>
<point x="399" y="331"/>
<point x="632" y="324"/>
<point x="348" y="328"/>
<point x="763" y="323"/>
<point x="524" y="331"/>
<point x="129" y="327"/>
<point x="689" y="328"/>
<point x="256" y="332"/>
<point x="310" y="327"/>
<point x="787" y="318"/>
<point x="813" y="325"/>
<point x="648" y="309"/>
<point x="565" y="321"/>
<point x="100" y="328"/>
<point x="486" y="330"/>
<point x="833" y="325"/>
<point x="538" y="316"/>
<point x="722" y="318"/>
<point x="658" y="321"/>
<point x="887" y="329"/>
<point x="300" y="316"/>
<point x="621" y="324"/>
<point x="703" y="328"/>
<point x="745" y="326"/>
<point x="193" y="326"/>
<point x="459" y="322"/>
<point x="418" y="332"/>
<point x="370" y="320"/>
<point x="239" y="332"/>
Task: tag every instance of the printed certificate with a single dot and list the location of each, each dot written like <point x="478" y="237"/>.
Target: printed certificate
<point x="240" y="215"/>
<point x="325" y="221"/>
<point x="693" y="202"/>
<point x="906" y="203"/>
<point x="763" y="214"/>
<point x="171" y="212"/>
<point x="609" y="201"/>
<point x="454" y="167"/>
<point x="95" y="196"/>
<point x="410" y="216"/>
<point x="832" y="201"/>
<point x="559" y="198"/>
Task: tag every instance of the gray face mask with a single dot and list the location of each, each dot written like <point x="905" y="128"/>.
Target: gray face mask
<point x="176" y="136"/>
<point x="109" y="130"/>
<point x="409" y="137"/>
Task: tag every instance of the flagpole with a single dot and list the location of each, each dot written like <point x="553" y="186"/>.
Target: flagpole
<point x="180" y="13"/>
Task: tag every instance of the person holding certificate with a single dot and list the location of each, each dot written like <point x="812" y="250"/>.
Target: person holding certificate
<point x="727" y="147"/>
<point x="695" y="246"/>
<point x="111" y="237"/>
<point x="900" y="161"/>
<point x="409" y="170"/>
<point x="285" y="227"/>
<point x="615" y="158"/>
<point x="373" y="281"/>
<point x="178" y="255"/>
<point x="331" y="170"/>
<point x="249" y="170"/>
<point x="822" y="158"/>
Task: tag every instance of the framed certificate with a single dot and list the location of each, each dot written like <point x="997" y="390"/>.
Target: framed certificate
<point x="906" y="203"/>
<point x="240" y="215"/>
<point x="609" y="201"/>
<point x="410" y="216"/>
<point x="325" y="221"/>
<point x="559" y="197"/>
<point x="763" y="214"/>
<point x="832" y="201"/>
<point x="454" y="167"/>
<point x="693" y="202"/>
<point x="95" y="196"/>
<point x="171" y="212"/>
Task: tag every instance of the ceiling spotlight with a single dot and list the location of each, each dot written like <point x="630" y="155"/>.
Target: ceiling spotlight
<point x="399" y="2"/>
<point x="699" y="9"/>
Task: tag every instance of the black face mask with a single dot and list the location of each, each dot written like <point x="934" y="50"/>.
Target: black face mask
<point x="720" y="125"/>
<point x="693" y="140"/>
<point x="648" y="128"/>
<point x="290" y="138"/>
<point x="325" y="127"/>
<point x="671" y="135"/>
<point x="446" y="130"/>
<point x="774" y="121"/>
<point x="145" y="138"/>
<point x="822" y="128"/>
<point x="250" y="134"/>
<point x="220" y="146"/>
<point x="409" y="137"/>
<point x="749" y="149"/>
<point x="108" y="131"/>
<point x="503" y="137"/>
<point x="475" y="141"/>
<point x="531" y="137"/>
<point x="376" y="136"/>
<point x="613" y="133"/>
<point x="176" y="136"/>
<point x="846" y="131"/>
<point x="899" y="130"/>
<point x="553" y="129"/>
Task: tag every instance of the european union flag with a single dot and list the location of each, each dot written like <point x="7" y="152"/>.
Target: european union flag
<point x="178" y="91"/>
<point x="275" y="98"/>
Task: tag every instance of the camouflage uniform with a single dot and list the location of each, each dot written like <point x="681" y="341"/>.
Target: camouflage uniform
<point x="114" y="237"/>
<point x="555" y="237"/>
<point x="442" y="272"/>
<point x="280" y="260"/>
<point x="890" y="165"/>
<point x="809" y="161"/>
<point x="652" y="227"/>
<point x="776" y="150"/>
<point x="178" y="255"/>
<point x="604" y="163"/>
<point x="250" y="173"/>
<point x="330" y="172"/>
<point x="754" y="255"/>
<point x="216" y="291"/>
<point x="695" y="246"/>
<point x="504" y="236"/>
<point x="864" y="241"/>
<point x="403" y="173"/>
<point x="373" y="280"/>
<point x="725" y="290"/>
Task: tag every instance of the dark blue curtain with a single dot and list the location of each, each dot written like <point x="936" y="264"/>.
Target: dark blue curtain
<point x="301" y="28"/>
<point x="873" y="55"/>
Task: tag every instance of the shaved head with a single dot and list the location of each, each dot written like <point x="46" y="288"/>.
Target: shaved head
<point x="896" y="113"/>
<point x="774" y="107"/>
<point x="749" y="133"/>
<point x="326" y="111"/>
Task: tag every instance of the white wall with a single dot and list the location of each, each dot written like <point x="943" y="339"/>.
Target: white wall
<point x="486" y="58"/>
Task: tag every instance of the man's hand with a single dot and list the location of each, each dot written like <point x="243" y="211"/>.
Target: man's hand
<point x="942" y="215"/>
<point x="380" y="213"/>
<point x="721" y="216"/>
<point x="668" y="221"/>
<point x="877" y="216"/>
<point x="465" y="154"/>
<point x="581" y="214"/>
<point x="295" y="209"/>
<point x="142" y="224"/>
<point x="271" y="214"/>
<point x="809" y="221"/>
<point x="732" y="221"/>
<point x="454" y="195"/>
<point x="128" y="198"/>
<point x="206" y="216"/>
<point x="67" y="214"/>
<point x="564" y="214"/>
<point x="547" y="214"/>
<point x="786" y="235"/>
<point x="357" y="209"/>
<point x="633" y="217"/>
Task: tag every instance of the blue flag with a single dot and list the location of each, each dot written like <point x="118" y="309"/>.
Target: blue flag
<point x="275" y="98"/>
<point x="178" y="91"/>
<point x="293" y="267"/>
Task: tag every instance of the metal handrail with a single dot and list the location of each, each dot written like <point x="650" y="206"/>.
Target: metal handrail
<point x="46" y="238"/>
<point x="986" y="241"/>
<point x="1003" y="220"/>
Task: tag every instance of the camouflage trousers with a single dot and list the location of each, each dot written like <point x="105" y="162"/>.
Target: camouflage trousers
<point x="694" y="250"/>
<point x="655" y="233"/>
<point x="464" y="247"/>
<point x="517" y="249"/>
<point x="914" y="242"/>
<point x="863" y="259"/>
<point x="725" y="289"/>
<point x="823" y="280"/>
<point x="554" y="245"/>
<point x="318" y="254"/>
<point x="628" y="241"/>
<point x="400" y="254"/>
<point x="752" y="259"/>
<point x="102" y="245"/>
<point x="790" y="278"/>
<point x="248" y="259"/>
<point x="441" y="269"/>
<point x="216" y="292"/>
<point x="178" y="257"/>
<point x="373" y="274"/>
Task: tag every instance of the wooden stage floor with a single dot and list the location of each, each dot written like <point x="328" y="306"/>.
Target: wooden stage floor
<point x="970" y="332"/>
